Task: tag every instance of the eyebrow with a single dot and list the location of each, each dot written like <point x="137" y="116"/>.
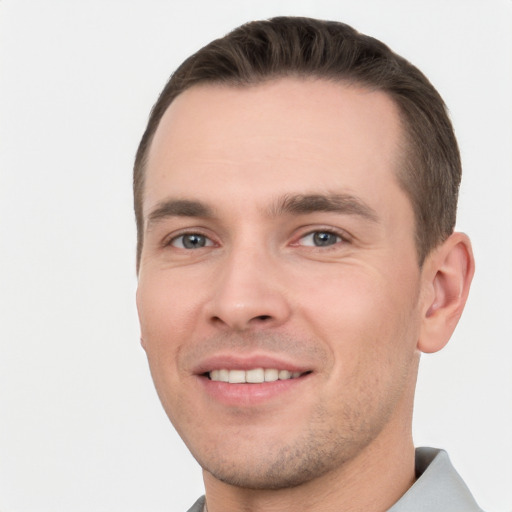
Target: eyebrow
<point x="303" y="204"/>
<point x="178" y="208"/>
<point x="300" y="204"/>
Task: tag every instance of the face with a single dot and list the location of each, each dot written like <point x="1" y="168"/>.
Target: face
<point x="279" y="289"/>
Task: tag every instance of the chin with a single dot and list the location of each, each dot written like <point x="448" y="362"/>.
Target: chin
<point x="272" y="476"/>
<point x="272" y="469"/>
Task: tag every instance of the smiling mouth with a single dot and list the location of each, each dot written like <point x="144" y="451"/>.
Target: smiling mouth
<point x="253" y="376"/>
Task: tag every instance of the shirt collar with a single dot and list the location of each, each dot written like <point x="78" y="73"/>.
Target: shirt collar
<point x="438" y="486"/>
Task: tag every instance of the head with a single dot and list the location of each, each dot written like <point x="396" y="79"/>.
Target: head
<point x="295" y="193"/>
<point x="259" y="51"/>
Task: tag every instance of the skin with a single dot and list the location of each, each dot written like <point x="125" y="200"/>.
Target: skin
<point x="355" y="312"/>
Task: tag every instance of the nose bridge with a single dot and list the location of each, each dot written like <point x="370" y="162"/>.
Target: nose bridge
<point x="248" y="292"/>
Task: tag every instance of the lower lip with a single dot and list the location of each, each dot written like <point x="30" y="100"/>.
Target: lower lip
<point x="250" y="394"/>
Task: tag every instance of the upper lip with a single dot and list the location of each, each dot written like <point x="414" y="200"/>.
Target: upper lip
<point x="247" y="362"/>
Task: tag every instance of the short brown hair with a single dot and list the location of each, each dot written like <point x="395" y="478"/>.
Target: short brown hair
<point x="291" y="46"/>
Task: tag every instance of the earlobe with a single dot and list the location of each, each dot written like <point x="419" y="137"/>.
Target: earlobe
<point x="448" y="272"/>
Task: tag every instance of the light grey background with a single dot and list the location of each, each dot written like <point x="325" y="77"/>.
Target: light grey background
<point x="80" y="427"/>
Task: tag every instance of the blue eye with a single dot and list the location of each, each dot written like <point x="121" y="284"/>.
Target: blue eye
<point x="320" y="239"/>
<point x="191" y="241"/>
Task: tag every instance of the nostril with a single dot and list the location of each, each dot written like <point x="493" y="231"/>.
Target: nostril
<point x="263" y="317"/>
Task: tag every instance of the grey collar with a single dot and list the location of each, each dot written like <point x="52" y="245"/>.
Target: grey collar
<point x="438" y="486"/>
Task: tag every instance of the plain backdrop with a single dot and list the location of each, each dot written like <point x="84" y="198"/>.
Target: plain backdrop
<point x="81" y="428"/>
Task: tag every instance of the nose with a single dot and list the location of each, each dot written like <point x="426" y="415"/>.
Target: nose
<point x="249" y="293"/>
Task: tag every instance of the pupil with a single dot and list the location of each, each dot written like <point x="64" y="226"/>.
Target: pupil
<point x="193" y="241"/>
<point x="322" y="239"/>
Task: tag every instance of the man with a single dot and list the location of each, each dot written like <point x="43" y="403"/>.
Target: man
<point x="295" y="194"/>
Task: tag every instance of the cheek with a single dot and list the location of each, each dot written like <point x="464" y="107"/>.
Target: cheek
<point x="165" y="305"/>
<point x="166" y="318"/>
<point x="166" y="313"/>
<point x="365" y="317"/>
<point x="370" y="329"/>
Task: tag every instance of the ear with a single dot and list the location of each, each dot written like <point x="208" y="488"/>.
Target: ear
<point x="447" y="274"/>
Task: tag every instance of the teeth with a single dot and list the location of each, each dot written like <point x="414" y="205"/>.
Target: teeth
<point x="220" y="375"/>
<point x="254" y="376"/>
<point x="271" y="375"/>
<point x="236" y="377"/>
<point x="285" y="374"/>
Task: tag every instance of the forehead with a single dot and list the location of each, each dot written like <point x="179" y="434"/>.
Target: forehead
<point x="290" y="133"/>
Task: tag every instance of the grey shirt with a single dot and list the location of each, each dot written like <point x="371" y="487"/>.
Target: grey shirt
<point x="438" y="487"/>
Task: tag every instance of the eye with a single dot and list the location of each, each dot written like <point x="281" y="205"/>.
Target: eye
<point x="320" y="239"/>
<point x="191" y="241"/>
